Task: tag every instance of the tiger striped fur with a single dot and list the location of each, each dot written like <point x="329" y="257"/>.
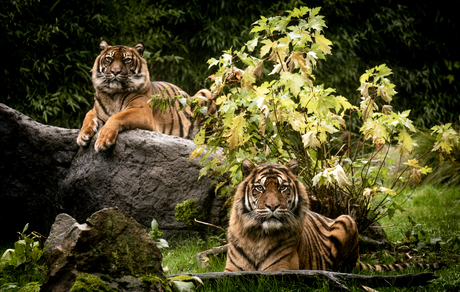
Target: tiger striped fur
<point x="272" y="228"/>
<point x="183" y="123"/>
<point x="395" y="267"/>
<point x="123" y="89"/>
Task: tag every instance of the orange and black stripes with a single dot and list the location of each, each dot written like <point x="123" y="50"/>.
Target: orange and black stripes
<point x="395" y="267"/>
<point x="272" y="229"/>
<point x="174" y="120"/>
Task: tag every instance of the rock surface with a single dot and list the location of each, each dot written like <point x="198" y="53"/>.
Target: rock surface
<point x="109" y="243"/>
<point x="43" y="172"/>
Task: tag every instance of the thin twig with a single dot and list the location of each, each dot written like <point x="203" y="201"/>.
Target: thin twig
<point x="205" y="223"/>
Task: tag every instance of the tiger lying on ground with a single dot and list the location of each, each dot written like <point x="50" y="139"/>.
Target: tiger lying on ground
<point x="122" y="82"/>
<point x="271" y="227"/>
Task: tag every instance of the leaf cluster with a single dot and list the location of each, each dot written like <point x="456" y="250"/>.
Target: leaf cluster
<point x="23" y="264"/>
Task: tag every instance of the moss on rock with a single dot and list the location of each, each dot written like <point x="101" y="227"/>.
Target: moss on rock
<point x="90" y="283"/>
<point x="187" y="211"/>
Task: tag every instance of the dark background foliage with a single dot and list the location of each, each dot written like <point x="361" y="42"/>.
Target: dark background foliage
<point x="48" y="48"/>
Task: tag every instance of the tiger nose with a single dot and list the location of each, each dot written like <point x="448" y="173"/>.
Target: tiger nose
<point x="115" y="70"/>
<point x="272" y="206"/>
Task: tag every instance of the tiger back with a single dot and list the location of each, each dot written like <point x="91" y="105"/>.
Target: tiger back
<point x="121" y="80"/>
<point x="271" y="226"/>
<point x="176" y="120"/>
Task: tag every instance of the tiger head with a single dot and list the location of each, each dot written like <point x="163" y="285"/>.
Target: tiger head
<point x="270" y="200"/>
<point x="120" y="69"/>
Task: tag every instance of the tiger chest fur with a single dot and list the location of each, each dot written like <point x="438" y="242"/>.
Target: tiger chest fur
<point x="271" y="227"/>
<point x="123" y="90"/>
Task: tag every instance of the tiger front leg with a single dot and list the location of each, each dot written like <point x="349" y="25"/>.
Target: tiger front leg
<point x="88" y="129"/>
<point x="134" y="118"/>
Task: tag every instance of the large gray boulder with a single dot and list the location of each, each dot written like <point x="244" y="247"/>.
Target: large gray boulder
<point x="43" y="172"/>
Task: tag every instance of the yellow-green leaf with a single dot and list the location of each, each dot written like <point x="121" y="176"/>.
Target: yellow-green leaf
<point x="406" y="140"/>
<point x="199" y="137"/>
<point x="297" y="121"/>
<point x="310" y="140"/>
<point x="324" y="43"/>
<point x="266" y="47"/>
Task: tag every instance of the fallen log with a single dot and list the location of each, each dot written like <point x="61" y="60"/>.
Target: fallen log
<point x="336" y="281"/>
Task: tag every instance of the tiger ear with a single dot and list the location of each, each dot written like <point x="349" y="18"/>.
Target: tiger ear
<point x="246" y="167"/>
<point x="103" y="45"/>
<point x="139" y="47"/>
<point x="293" y="166"/>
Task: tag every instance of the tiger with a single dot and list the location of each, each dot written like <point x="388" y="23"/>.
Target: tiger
<point x="123" y="92"/>
<point x="271" y="227"/>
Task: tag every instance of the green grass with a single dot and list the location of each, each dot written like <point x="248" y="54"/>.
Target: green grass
<point x="180" y="257"/>
<point x="436" y="209"/>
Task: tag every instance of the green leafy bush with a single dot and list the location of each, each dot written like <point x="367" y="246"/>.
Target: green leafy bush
<point x="23" y="266"/>
<point x="283" y="115"/>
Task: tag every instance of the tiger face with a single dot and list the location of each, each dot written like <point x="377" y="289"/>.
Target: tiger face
<point x="272" y="201"/>
<point x="120" y="69"/>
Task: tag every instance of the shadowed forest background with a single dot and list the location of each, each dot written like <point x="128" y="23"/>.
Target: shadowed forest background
<point x="49" y="46"/>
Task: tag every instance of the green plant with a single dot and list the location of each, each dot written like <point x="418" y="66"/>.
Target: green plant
<point x="155" y="234"/>
<point x="445" y="163"/>
<point x="284" y="115"/>
<point x="24" y="264"/>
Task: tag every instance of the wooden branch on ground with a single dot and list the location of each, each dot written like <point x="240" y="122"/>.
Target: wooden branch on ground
<point x="334" y="279"/>
<point x="202" y="257"/>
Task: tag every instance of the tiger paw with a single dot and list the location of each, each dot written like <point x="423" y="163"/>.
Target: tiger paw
<point x="87" y="132"/>
<point x="106" y="139"/>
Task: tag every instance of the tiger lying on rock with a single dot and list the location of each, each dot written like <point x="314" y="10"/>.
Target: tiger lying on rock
<point x="271" y="227"/>
<point x="123" y="89"/>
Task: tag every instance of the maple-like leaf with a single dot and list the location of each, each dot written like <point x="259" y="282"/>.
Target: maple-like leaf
<point x="309" y="140"/>
<point x="252" y="44"/>
<point x="297" y="121"/>
<point x="236" y="132"/>
<point x="293" y="81"/>
<point x="266" y="47"/>
<point x="406" y="140"/>
<point x="340" y="176"/>
<point x="446" y="138"/>
<point x="413" y="163"/>
<point x="376" y="130"/>
<point x="324" y="43"/>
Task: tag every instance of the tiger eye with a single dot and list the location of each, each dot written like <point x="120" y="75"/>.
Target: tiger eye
<point x="127" y="60"/>
<point x="282" y="188"/>
<point x="259" y="188"/>
<point x="108" y="59"/>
